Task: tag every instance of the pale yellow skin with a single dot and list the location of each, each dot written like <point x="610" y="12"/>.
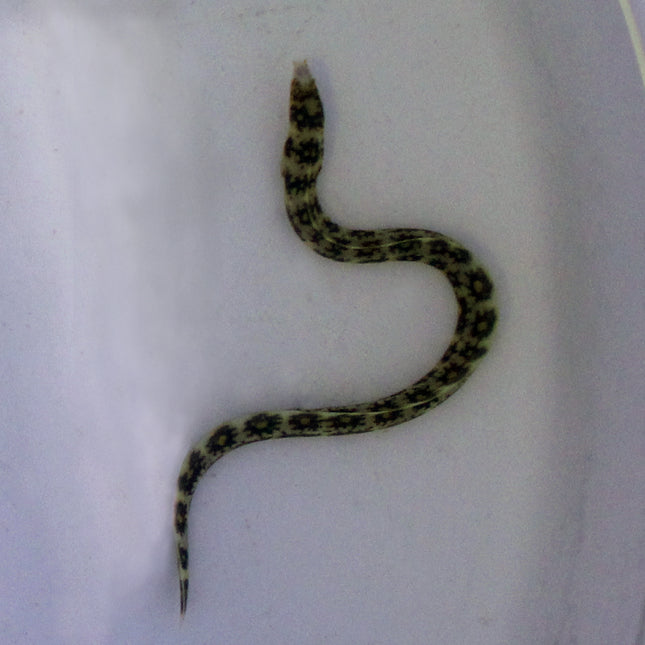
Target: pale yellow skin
<point x="301" y="163"/>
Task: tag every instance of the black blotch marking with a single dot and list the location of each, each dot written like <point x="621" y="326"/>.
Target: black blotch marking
<point x="304" y="421"/>
<point x="473" y="352"/>
<point x="222" y="440"/>
<point x="304" y="119"/>
<point x="307" y="152"/>
<point x="181" y="511"/>
<point x="196" y="466"/>
<point x="349" y="421"/>
<point x="387" y="418"/>
<point x="454" y="373"/>
<point x="183" y="558"/>
<point x="460" y="255"/>
<point x="263" y="425"/>
<point x="480" y="284"/>
<point x="294" y="185"/>
<point x="484" y="323"/>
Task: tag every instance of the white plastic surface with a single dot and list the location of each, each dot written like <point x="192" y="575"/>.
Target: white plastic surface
<point x="152" y="288"/>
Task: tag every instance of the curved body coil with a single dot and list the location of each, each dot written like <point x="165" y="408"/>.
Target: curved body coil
<point x="301" y="164"/>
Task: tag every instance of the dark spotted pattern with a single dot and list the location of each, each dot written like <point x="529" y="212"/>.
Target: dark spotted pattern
<point x="301" y="163"/>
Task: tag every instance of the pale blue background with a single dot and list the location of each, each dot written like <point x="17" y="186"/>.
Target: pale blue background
<point x="152" y="288"/>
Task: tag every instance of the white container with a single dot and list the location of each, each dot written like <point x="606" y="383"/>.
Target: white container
<point x="152" y="288"/>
